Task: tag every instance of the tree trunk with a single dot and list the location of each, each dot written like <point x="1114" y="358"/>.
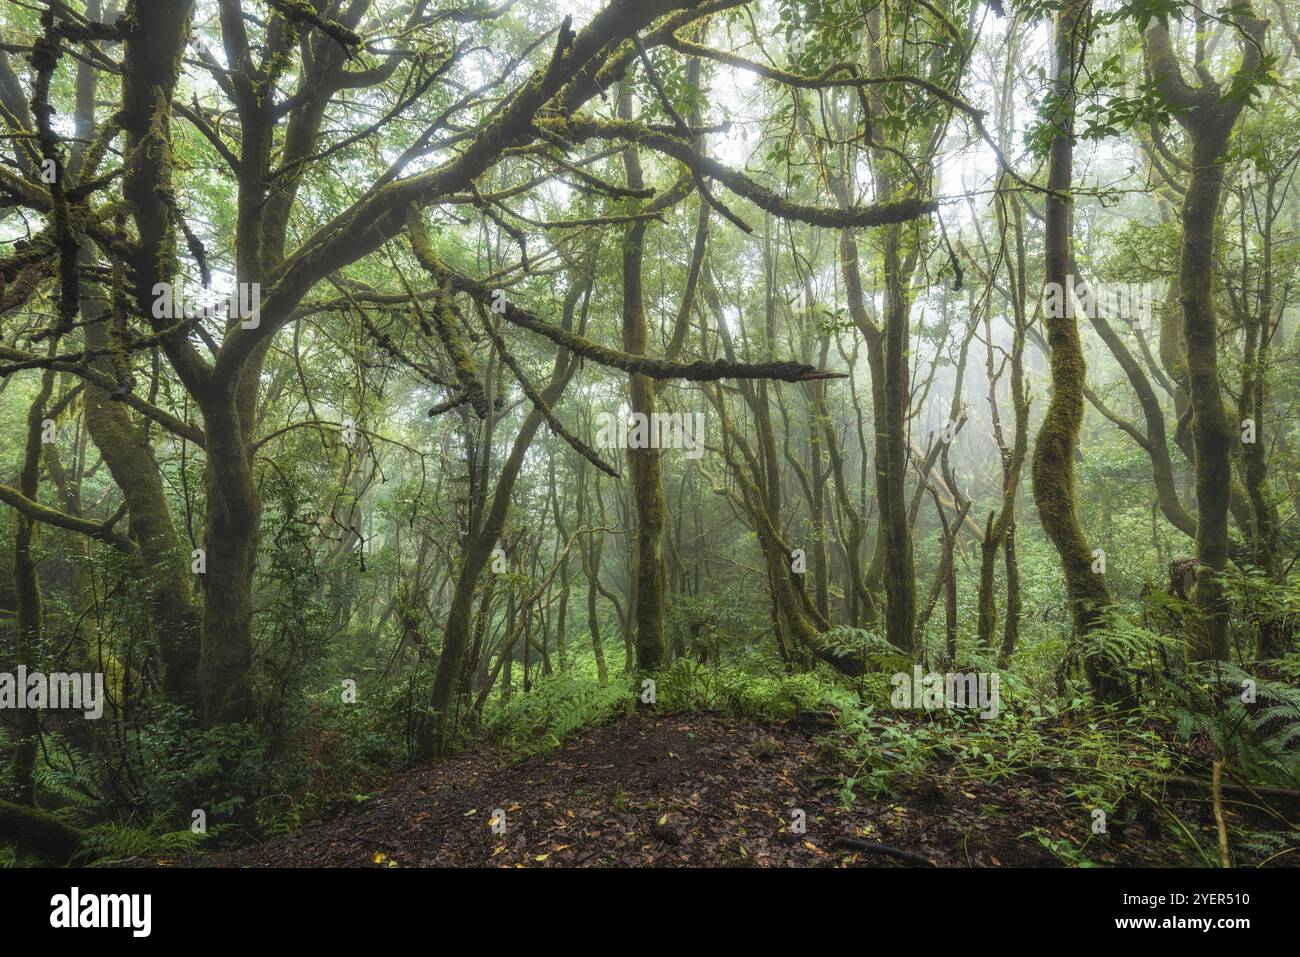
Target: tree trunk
<point x="1053" y="462"/>
<point x="1208" y="114"/>
<point x="643" y="463"/>
<point x="30" y="612"/>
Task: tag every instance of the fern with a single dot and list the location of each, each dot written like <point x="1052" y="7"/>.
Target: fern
<point x="859" y="643"/>
<point x="554" y="709"/>
<point x="59" y="773"/>
<point x="690" y="686"/>
<point x="116" y="841"/>
<point x="1262" y="736"/>
<point x="1130" y="646"/>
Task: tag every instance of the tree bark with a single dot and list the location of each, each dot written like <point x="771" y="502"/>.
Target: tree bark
<point x="643" y="463"/>
<point x="1053" y="461"/>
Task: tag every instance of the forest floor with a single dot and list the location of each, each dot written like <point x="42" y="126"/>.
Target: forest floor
<point x="700" y="790"/>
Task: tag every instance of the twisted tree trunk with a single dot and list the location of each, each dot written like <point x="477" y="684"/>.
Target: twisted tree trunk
<point x="1053" y="462"/>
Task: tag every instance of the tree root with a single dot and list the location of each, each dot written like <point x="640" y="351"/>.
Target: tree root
<point x="888" y="850"/>
<point x="39" y="831"/>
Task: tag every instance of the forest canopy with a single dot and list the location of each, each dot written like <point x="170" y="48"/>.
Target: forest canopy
<point x="391" y="379"/>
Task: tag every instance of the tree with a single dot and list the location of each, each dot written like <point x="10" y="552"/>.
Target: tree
<point x="1208" y="114"/>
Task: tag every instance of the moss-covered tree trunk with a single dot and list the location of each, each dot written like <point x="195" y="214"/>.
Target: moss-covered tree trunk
<point x="126" y="449"/>
<point x="38" y="831"/>
<point x="1011" y="624"/>
<point x="557" y="508"/>
<point x="1252" y="405"/>
<point x="157" y="39"/>
<point x="1208" y="114"/>
<point x="589" y="552"/>
<point x="130" y="459"/>
<point x="1212" y="433"/>
<point x="230" y="530"/>
<point x="643" y="463"/>
<point x="29" y="611"/>
<point x="891" y="469"/>
<point x="1053" y="460"/>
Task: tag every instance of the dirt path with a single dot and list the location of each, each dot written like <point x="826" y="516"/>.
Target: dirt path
<point x="691" y="789"/>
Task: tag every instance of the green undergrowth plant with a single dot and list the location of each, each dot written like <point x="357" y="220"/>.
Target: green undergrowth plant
<point x="559" y="705"/>
<point x="554" y="708"/>
<point x="1099" y="755"/>
<point x="689" y="686"/>
<point x="150" y="840"/>
<point x="1252" y="723"/>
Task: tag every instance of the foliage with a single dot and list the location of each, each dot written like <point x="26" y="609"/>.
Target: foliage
<point x="555" y="708"/>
